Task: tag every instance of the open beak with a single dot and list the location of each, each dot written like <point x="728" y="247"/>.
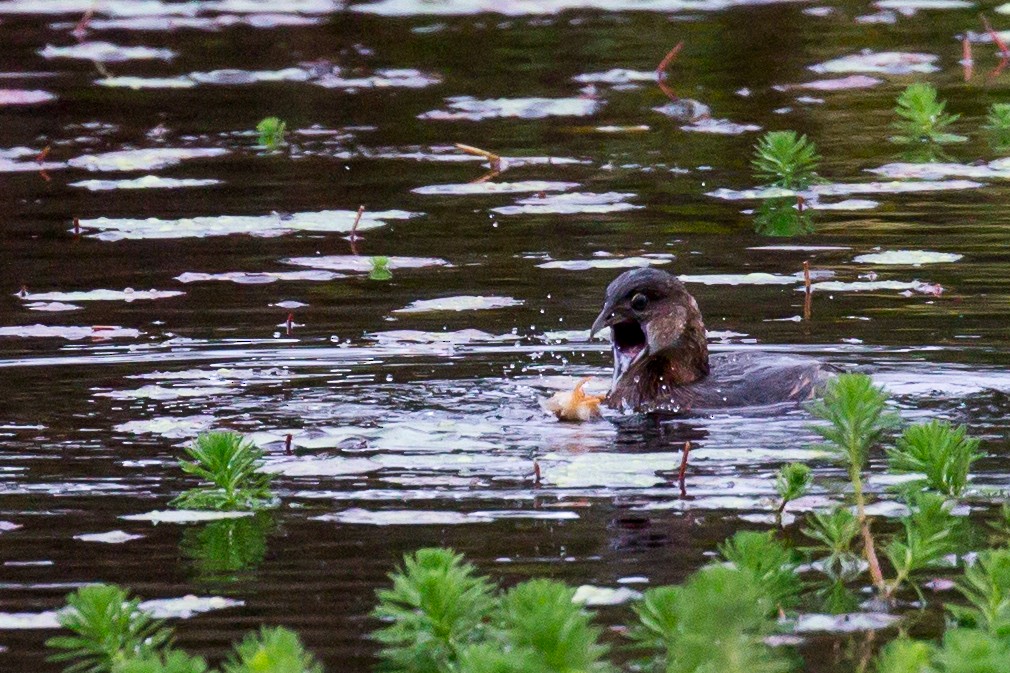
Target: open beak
<point x="628" y="339"/>
<point x="606" y="318"/>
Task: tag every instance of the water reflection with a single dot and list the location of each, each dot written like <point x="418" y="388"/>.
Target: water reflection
<point x="785" y="216"/>
<point x="229" y="550"/>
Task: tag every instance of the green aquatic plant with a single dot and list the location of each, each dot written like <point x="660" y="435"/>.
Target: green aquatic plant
<point x="792" y="481"/>
<point x="771" y="564"/>
<point x="231" y="465"/>
<point x="905" y="656"/>
<point x="783" y="217"/>
<point x="971" y="651"/>
<point x="714" y="622"/>
<point x="271" y="650"/>
<point x="986" y="587"/>
<point x="857" y="418"/>
<point x="921" y="116"/>
<point x="271" y="130"/>
<point x="172" y="661"/>
<point x="997" y="124"/>
<point x="380" y="269"/>
<point x="437" y="605"/>
<point x="927" y="534"/>
<point x="109" y="628"/>
<point x="787" y="159"/>
<point x="539" y="620"/>
<point x="942" y="453"/>
<point x="221" y="551"/>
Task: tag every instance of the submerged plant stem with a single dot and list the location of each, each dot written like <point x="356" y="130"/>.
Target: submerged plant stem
<point x="869" y="549"/>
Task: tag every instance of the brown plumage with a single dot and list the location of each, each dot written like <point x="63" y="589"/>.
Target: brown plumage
<point x="661" y="359"/>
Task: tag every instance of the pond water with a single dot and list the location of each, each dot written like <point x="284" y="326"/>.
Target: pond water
<point x="211" y="283"/>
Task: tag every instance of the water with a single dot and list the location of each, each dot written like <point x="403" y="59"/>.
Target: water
<point x="421" y="427"/>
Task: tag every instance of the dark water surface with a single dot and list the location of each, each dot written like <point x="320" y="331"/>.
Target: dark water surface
<point x="424" y="425"/>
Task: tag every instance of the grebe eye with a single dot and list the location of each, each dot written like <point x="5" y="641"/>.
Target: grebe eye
<point x="639" y="301"/>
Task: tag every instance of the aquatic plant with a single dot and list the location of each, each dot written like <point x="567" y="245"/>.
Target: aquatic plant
<point x="788" y="159"/>
<point x="792" y="482"/>
<point x="986" y="587"/>
<point x="437" y="605"/>
<point x="783" y="217"/>
<point x="231" y="464"/>
<point x="928" y="534"/>
<point x="771" y="564"/>
<point x="715" y="621"/>
<point x="172" y="661"/>
<point x="271" y="130"/>
<point x="380" y="269"/>
<point x="941" y="453"/>
<point x="540" y="621"/>
<point x="971" y="651"/>
<point x="222" y="550"/>
<point x="857" y="419"/>
<point x="271" y="650"/>
<point x="921" y="116"/>
<point x="997" y="123"/>
<point x="109" y="628"/>
<point x="998" y="119"/>
<point x="905" y="656"/>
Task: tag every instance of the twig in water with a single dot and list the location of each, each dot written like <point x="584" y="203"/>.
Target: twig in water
<point x="23" y="292"/>
<point x="353" y="238"/>
<point x="41" y="156"/>
<point x="287" y="444"/>
<point x="661" y="71"/>
<point x="491" y="157"/>
<point x="82" y="26"/>
<point x="289" y="323"/>
<point x="682" y="473"/>
<point x="967" y="62"/>
<point x="1000" y="44"/>
<point x="77" y="226"/>
<point x="536" y="472"/>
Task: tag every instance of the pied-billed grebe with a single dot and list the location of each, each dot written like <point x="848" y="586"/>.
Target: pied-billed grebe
<point x="661" y="359"/>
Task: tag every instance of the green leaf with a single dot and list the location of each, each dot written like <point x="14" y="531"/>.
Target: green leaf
<point x="713" y="623"/>
<point x="271" y="132"/>
<point x="788" y="160"/>
<point x="437" y="605"/>
<point x="231" y="465"/>
<point x="271" y="650"/>
<point x="108" y="628"/>
<point x="857" y="418"/>
<point x="173" y="661"/>
<point x="941" y="453"/>
<point x="380" y="269"/>
<point x="539" y="617"/>
<point x="921" y="116"/>
<point x="770" y="563"/>
<point x="905" y="656"/>
<point x="793" y="481"/>
<point x="971" y="651"/>
<point x="986" y="587"/>
<point x="928" y="534"/>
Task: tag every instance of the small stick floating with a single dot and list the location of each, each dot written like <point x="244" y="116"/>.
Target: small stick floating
<point x="575" y="406"/>
<point x="492" y="158"/>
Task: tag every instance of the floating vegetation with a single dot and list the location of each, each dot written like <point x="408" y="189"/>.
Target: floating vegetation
<point x="271" y="132"/>
<point x="232" y="466"/>
<point x="380" y="269"/>
<point x="997" y="124"/>
<point x="921" y="117"/>
<point x="787" y="159"/>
